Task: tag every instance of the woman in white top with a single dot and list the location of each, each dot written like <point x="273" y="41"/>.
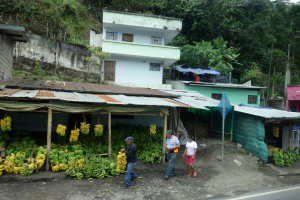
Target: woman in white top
<point x="190" y="151"/>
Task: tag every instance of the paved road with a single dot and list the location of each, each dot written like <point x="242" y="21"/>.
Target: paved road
<point x="273" y="194"/>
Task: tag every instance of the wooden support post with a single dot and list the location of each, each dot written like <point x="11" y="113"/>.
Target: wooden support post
<point x="290" y="135"/>
<point x="109" y="134"/>
<point x="164" y="139"/>
<point x="231" y="135"/>
<point x="178" y="118"/>
<point x="49" y="129"/>
<point x="211" y="119"/>
<point x="170" y="119"/>
<point x="195" y="127"/>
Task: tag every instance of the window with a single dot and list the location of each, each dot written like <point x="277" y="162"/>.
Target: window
<point x="252" y="99"/>
<point x="154" y="67"/>
<point x="111" y="35"/>
<point x="292" y="108"/>
<point x="216" y="96"/>
<point x="156" y="40"/>
<point x="127" y="38"/>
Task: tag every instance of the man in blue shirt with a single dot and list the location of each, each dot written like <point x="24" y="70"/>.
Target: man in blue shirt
<point x="172" y="145"/>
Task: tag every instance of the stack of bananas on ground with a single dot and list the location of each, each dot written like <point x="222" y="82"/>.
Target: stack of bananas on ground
<point x="74" y="135"/>
<point x="10" y="163"/>
<point x="6" y="124"/>
<point x="98" y="130"/>
<point x="276" y="131"/>
<point x="40" y="158"/>
<point x="61" y="130"/>
<point x="122" y="162"/>
<point x="85" y="128"/>
<point x="152" y="129"/>
<point x="2" y="167"/>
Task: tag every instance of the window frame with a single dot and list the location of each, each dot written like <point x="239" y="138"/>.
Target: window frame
<point x="155" y="68"/>
<point x="126" y="34"/>
<point x="212" y="96"/>
<point x="250" y="101"/>
<point x="154" y="38"/>
<point x="115" y="35"/>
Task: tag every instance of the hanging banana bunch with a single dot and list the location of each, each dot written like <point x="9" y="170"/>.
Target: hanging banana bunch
<point x="98" y="129"/>
<point x="6" y="123"/>
<point x="74" y="135"/>
<point x="85" y="128"/>
<point x="152" y="129"/>
<point x="122" y="162"/>
<point x="276" y="131"/>
<point x="61" y="130"/>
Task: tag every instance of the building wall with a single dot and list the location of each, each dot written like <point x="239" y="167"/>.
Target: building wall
<point x="95" y="38"/>
<point x="135" y="71"/>
<point x="142" y="37"/>
<point x="236" y="96"/>
<point x="55" y="52"/>
<point x="293" y="98"/>
<point x="6" y="56"/>
<point x="176" y="85"/>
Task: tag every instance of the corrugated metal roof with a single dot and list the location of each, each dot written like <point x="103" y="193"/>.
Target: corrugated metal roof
<point x="221" y="85"/>
<point x="67" y="96"/>
<point x="89" y="98"/>
<point x="82" y="87"/>
<point x="25" y="93"/>
<point x="109" y="100"/>
<point x="149" y="101"/>
<point x="45" y="94"/>
<point x="8" y="92"/>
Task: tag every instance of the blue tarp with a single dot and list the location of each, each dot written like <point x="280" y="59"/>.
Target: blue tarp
<point x="195" y="70"/>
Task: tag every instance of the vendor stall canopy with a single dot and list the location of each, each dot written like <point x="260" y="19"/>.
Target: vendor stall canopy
<point x="196" y="70"/>
<point x="16" y="88"/>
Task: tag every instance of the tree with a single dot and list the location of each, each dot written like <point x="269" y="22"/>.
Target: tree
<point x="214" y="54"/>
<point x="101" y="55"/>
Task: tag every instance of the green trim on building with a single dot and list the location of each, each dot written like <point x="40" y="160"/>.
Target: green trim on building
<point x="236" y="96"/>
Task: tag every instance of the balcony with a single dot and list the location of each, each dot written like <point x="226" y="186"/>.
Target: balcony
<point x="163" y="54"/>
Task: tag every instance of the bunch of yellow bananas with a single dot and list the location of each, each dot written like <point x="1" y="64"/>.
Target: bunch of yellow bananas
<point x="61" y="130"/>
<point x="39" y="160"/>
<point x="85" y="128"/>
<point x="122" y="162"/>
<point x="98" y="130"/>
<point x="276" y="131"/>
<point x="74" y="135"/>
<point x="55" y="168"/>
<point x="16" y="170"/>
<point x="152" y="129"/>
<point x="81" y="162"/>
<point x="6" y="124"/>
<point x="10" y="163"/>
<point x="2" y="168"/>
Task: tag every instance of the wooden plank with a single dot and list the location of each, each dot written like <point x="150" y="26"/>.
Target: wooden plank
<point x="178" y="118"/>
<point x="164" y="139"/>
<point x="170" y="119"/>
<point x="109" y="134"/>
<point x="49" y="136"/>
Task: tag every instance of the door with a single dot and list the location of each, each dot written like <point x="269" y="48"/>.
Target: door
<point x="109" y="70"/>
<point x="127" y="38"/>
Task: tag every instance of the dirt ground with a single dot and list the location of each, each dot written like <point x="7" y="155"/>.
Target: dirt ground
<point x="215" y="179"/>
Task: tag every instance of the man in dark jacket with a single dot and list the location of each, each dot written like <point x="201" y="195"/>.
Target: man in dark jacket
<point x="130" y="152"/>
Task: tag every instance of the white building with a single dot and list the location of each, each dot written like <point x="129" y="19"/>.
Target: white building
<point x="137" y="45"/>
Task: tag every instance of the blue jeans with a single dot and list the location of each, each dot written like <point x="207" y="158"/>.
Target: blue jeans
<point x="129" y="173"/>
<point x="171" y="163"/>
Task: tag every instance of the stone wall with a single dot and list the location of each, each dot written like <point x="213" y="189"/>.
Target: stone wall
<point x="56" y="57"/>
<point x="6" y="56"/>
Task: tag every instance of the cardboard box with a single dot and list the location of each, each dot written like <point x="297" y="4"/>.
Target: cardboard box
<point x="270" y="153"/>
<point x="3" y="154"/>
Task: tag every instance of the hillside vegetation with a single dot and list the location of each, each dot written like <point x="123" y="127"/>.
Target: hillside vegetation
<point x="237" y="36"/>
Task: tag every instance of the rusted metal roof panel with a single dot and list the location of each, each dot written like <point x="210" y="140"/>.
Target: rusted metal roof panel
<point x="25" y="94"/>
<point x="8" y="92"/>
<point x="45" y="94"/>
<point x="109" y="100"/>
<point x="151" y="101"/>
<point x="55" y="85"/>
<point x="12" y="82"/>
<point x="175" y="102"/>
<point x="76" y="87"/>
<point x="89" y="98"/>
<point x="66" y="96"/>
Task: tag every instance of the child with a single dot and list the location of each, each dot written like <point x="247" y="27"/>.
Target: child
<point x="190" y="151"/>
